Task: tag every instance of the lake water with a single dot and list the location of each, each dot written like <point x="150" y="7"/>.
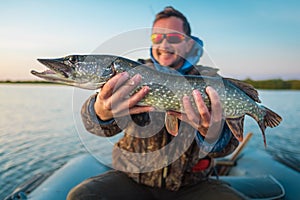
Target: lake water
<point x="40" y="129"/>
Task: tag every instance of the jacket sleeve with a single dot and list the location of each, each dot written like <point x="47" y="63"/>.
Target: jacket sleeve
<point x="93" y="124"/>
<point x="224" y="146"/>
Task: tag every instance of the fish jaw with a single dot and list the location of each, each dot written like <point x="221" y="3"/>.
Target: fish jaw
<point x="57" y="71"/>
<point x="55" y="77"/>
<point x="63" y="71"/>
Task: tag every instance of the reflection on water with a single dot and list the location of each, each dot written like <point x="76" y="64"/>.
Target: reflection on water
<point x="38" y="132"/>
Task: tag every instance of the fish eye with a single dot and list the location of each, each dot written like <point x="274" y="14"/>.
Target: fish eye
<point x="72" y="59"/>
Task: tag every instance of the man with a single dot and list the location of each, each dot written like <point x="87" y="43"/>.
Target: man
<point x="181" y="168"/>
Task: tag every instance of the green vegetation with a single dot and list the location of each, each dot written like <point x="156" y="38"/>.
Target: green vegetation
<point x="275" y="84"/>
<point x="272" y="84"/>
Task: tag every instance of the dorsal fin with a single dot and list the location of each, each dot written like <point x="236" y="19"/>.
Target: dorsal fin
<point x="247" y="88"/>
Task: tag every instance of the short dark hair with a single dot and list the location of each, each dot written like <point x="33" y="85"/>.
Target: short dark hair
<point x="169" y="11"/>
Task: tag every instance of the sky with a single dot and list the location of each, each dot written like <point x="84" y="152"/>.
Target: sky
<point x="258" y="39"/>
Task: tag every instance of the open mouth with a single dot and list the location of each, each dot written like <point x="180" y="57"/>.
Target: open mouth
<point x="165" y="52"/>
<point x="57" y="70"/>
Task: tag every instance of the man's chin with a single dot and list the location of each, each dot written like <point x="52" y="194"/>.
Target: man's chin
<point x="166" y="63"/>
<point x="171" y="63"/>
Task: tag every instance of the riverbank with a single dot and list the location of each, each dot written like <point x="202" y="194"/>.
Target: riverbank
<point x="275" y="84"/>
<point x="270" y="84"/>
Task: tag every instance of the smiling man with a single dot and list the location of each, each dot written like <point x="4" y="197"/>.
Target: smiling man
<point x="135" y="175"/>
<point x="169" y="49"/>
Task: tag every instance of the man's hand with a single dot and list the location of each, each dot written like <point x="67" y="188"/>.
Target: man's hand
<point x="113" y="100"/>
<point x="208" y="123"/>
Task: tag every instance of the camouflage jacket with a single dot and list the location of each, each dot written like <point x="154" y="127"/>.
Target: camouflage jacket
<point x="149" y="154"/>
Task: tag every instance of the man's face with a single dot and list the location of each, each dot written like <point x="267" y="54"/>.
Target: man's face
<point x="167" y="53"/>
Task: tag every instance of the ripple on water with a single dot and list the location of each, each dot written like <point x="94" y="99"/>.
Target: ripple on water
<point x="38" y="134"/>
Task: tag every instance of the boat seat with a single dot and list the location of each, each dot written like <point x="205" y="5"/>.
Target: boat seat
<point x="262" y="187"/>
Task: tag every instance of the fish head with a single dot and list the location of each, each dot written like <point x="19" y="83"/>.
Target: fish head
<point x="83" y="71"/>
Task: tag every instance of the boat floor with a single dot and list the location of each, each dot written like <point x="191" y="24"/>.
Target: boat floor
<point x="257" y="175"/>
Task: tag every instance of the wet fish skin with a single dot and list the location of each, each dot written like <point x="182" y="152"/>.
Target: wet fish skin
<point x="166" y="89"/>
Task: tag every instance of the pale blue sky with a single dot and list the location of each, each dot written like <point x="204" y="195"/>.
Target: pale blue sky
<point x="243" y="38"/>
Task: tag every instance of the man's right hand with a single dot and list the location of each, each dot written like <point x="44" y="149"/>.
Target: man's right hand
<point x="113" y="99"/>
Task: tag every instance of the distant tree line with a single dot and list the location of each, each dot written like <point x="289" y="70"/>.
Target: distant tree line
<point x="272" y="84"/>
<point x="275" y="84"/>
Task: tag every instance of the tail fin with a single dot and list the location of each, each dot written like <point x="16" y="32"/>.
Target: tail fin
<point x="271" y="119"/>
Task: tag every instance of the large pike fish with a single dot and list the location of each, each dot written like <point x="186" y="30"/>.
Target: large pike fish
<point x="166" y="89"/>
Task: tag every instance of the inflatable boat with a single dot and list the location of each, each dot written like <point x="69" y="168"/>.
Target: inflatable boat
<point x="255" y="173"/>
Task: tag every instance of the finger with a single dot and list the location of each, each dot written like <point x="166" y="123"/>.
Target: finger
<point x="137" y="97"/>
<point x="189" y="110"/>
<point x="216" y="106"/>
<point x="202" y="109"/>
<point x="132" y="101"/>
<point x="123" y="92"/>
<point x="216" y="115"/>
<point x="111" y="85"/>
<point x="133" y="110"/>
<point x="140" y="109"/>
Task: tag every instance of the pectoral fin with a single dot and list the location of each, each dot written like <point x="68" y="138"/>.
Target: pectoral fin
<point x="236" y="125"/>
<point x="171" y="123"/>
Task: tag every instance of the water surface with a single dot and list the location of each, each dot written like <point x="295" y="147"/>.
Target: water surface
<point x="38" y="132"/>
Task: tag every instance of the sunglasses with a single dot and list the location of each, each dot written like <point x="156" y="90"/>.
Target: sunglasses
<point x="172" y="38"/>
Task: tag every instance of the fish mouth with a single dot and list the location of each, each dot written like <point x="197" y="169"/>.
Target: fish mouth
<point x="57" y="70"/>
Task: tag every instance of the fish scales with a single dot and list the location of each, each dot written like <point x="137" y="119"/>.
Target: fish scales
<point x="166" y="89"/>
<point x="166" y="92"/>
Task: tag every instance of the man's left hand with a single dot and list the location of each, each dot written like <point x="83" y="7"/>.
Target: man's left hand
<point x="208" y="123"/>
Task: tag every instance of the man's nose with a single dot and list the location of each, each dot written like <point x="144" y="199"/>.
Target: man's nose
<point x="164" y="43"/>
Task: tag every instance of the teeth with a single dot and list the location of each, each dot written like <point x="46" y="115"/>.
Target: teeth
<point x="165" y="53"/>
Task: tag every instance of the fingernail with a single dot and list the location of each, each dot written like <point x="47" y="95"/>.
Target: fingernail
<point x="208" y="89"/>
<point x="132" y="80"/>
<point x="136" y="78"/>
<point x="185" y="97"/>
<point x="146" y="89"/>
<point x="196" y="92"/>
<point x="125" y="74"/>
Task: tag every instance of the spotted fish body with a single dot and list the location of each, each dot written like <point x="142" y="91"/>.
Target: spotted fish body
<point x="166" y="89"/>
